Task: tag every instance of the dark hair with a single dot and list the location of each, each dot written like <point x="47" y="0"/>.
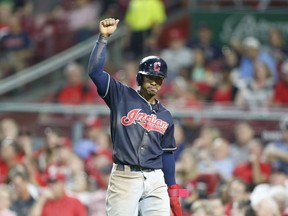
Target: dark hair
<point x="18" y="170"/>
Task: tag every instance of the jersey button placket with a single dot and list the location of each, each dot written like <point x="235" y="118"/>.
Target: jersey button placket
<point x="142" y="146"/>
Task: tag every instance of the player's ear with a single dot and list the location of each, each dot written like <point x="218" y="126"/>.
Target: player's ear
<point x="139" y="79"/>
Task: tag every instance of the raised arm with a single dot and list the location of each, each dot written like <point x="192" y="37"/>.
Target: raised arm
<point x="97" y="56"/>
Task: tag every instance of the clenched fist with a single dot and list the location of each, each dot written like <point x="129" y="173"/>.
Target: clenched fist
<point x="108" y="26"/>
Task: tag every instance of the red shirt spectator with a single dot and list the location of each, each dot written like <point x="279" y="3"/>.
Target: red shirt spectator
<point x="280" y="94"/>
<point x="75" y="94"/>
<point x="254" y="171"/>
<point x="64" y="206"/>
<point x="244" y="171"/>
<point x="55" y="201"/>
<point x="281" y="88"/>
<point x="76" y="90"/>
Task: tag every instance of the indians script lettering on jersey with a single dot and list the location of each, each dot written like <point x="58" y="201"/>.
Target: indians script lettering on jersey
<point x="148" y="122"/>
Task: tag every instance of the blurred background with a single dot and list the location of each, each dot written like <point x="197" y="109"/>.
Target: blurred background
<point x="227" y="89"/>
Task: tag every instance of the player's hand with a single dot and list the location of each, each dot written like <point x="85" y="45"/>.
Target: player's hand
<point x="108" y="26"/>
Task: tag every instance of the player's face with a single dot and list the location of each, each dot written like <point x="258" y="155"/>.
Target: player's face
<point x="152" y="84"/>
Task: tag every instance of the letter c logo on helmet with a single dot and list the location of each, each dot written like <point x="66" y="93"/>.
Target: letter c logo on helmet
<point x="157" y="66"/>
<point x="152" y="66"/>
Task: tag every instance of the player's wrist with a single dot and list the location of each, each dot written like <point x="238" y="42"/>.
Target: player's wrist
<point x="103" y="38"/>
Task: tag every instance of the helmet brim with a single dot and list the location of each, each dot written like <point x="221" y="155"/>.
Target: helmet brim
<point x="151" y="74"/>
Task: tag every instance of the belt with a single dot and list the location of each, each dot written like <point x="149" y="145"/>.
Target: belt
<point x="134" y="168"/>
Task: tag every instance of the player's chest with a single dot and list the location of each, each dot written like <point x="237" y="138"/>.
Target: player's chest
<point x="143" y="116"/>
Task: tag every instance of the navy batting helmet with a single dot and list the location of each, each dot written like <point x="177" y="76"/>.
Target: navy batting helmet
<point x="152" y="66"/>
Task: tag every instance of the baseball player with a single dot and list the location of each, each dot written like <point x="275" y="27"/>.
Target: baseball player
<point x="142" y="132"/>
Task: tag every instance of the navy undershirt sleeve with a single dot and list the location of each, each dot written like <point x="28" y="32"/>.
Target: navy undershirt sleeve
<point x="95" y="68"/>
<point x="169" y="168"/>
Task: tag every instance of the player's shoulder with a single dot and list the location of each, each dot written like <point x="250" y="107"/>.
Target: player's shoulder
<point x="163" y="108"/>
<point x="165" y="112"/>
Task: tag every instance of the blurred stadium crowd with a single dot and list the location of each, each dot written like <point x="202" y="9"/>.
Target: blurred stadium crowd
<point x="241" y="175"/>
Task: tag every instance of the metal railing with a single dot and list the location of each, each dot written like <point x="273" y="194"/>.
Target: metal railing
<point x="207" y="111"/>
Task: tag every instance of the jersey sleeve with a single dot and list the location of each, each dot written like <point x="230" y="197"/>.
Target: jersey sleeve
<point x="168" y="141"/>
<point x="115" y="92"/>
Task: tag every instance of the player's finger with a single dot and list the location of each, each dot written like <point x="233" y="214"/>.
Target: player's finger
<point x="117" y="21"/>
<point x="112" y="21"/>
<point x="106" y="22"/>
<point x="103" y="22"/>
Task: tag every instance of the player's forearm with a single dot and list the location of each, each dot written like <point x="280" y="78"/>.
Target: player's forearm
<point x="96" y="65"/>
<point x="169" y="168"/>
<point x="97" y="57"/>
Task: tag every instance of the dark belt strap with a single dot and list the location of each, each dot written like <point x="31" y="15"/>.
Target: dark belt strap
<point x="134" y="168"/>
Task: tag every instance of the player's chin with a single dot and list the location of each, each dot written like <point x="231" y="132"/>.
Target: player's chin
<point x="152" y="92"/>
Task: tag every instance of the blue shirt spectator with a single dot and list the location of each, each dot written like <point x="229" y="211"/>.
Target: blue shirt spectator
<point x="252" y="53"/>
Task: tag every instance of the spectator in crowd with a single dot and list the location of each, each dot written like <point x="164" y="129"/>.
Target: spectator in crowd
<point x="280" y="97"/>
<point x="8" y="158"/>
<point x="244" y="134"/>
<point x="267" y="207"/>
<point x="200" y="208"/>
<point x="25" y="143"/>
<point x="75" y="90"/>
<point x="238" y="191"/>
<point x="259" y="91"/>
<point x="82" y="18"/>
<point x="144" y="20"/>
<point x="126" y="74"/>
<point x="98" y="164"/>
<point x="186" y="175"/>
<point x="180" y="93"/>
<point x="218" y="160"/>
<point x="202" y="78"/>
<point x="242" y="208"/>
<point x="23" y="196"/>
<point x="280" y="194"/>
<point x="199" y="73"/>
<point x="253" y="53"/>
<point x="224" y="91"/>
<point x="89" y="143"/>
<point x="8" y="128"/>
<point x="71" y="166"/>
<point x="256" y="170"/>
<point x="262" y="201"/>
<point x="278" y="176"/>
<point x="204" y="42"/>
<point x="177" y="55"/>
<point x="277" y="152"/>
<point x="276" y="46"/>
<point x="17" y="47"/>
<point x="216" y="205"/>
<point x="51" y="34"/>
<point x="231" y="61"/>
<point x="96" y="204"/>
<point x="5" y="201"/>
<point x="200" y="185"/>
<point x="203" y="144"/>
<point x="55" y="200"/>
<point x="45" y="156"/>
<point x="221" y="161"/>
